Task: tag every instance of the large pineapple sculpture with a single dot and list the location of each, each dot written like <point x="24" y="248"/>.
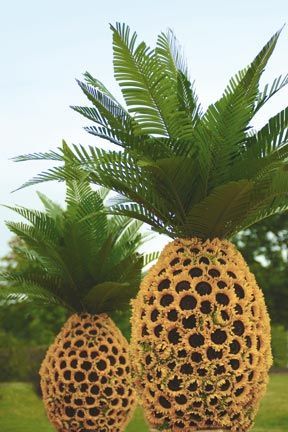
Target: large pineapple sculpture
<point x="87" y="262"/>
<point x="201" y="334"/>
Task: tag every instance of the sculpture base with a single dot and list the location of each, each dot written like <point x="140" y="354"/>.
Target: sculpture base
<point x="199" y="430"/>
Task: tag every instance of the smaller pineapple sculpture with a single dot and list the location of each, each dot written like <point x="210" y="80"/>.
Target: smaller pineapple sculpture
<point x="87" y="262"/>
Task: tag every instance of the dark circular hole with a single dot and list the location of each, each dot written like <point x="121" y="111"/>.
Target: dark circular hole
<point x="221" y="284"/>
<point x="180" y="250"/>
<point x="86" y="365"/>
<point x="231" y="274"/>
<point x="90" y="400"/>
<point x="101" y="365"/>
<point x="144" y="331"/>
<point x="239" y="378"/>
<point x="195" y="250"/>
<point x="174" y="384"/>
<point x="92" y="377"/>
<point x="108" y="391"/>
<point x="238" y="328"/>
<point x="186" y="262"/>
<point x="150" y="301"/>
<point x="234" y="363"/>
<point x="67" y="375"/>
<point x="182" y="286"/>
<point x="219" y="336"/>
<point x="204" y="260"/>
<point x="154" y="315"/>
<point x="193" y="386"/>
<point x="80" y="413"/>
<point x="238" y="309"/>
<point x="79" y="343"/>
<point x="164" y="402"/>
<point x="225" y="386"/>
<point x="206" y="307"/>
<point x="258" y="343"/>
<point x="103" y="348"/>
<point x="196" y="340"/>
<point x="195" y="272"/>
<point x="94" y="412"/>
<point x="174" y="261"/>
<point x="83" y="354"/>
<point x="83" y="387"/>
<point x="79" y="376"/>
<point x="166" y="300"/>
<point x="203" y="288"/>
<point x="239" y="391"/>
<point x="186" y="369"/>
<point x="70" y="412"/>
<point x="95" y="389"/>
<point x="219" y="370"/>
<point x="221" y="261"/>
<point x="239" y="291"/>
<point x="63" y="365"/>
<point x="112" y="360"/>
<point x="234" y="347"/>
<point x="212" y="354"/>
<point x="175" y="272"/>
<point x="174" y="336"/>
<point x="224" y="315"/>
<point x="202" y="372"/>
<point x="222" y="299"/>
<point x="158" y="329"/>
<point x="214" y="273"/>
<point x="250" y="376"/>
<point x="189" y="322"/>
<point x="196" y="357"/>
<point x="148" y="359"/>
<point x="182" y="353"/>
<point x="208" y="388"/>
<point x="197" y="404"/>
<point x="164" y="284"/>
<point x="181" y="399"/>
<point x="248" y="341"/>
<point x="172" y="315"/>
<point x="188" y="302"/>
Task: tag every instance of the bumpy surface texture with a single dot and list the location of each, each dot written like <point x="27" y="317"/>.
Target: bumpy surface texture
<point x="85" y="377"/>
<point x="200" y="339"/>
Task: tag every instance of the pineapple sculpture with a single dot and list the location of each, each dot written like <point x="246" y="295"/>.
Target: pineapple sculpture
<point x="87" y="262"/>
<point x="200" y="328"/>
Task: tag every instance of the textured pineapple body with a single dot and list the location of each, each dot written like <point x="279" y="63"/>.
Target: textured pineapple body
<point x="85" y="377"/>
<point x="200" y="339"/>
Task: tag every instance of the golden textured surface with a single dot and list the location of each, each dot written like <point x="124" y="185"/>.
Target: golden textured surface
<point x="200" y="339"/>
<point x="86" y="377"/>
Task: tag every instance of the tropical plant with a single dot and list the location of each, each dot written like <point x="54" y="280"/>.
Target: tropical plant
<point x="86" y="261"/>
<point x="201" y="333"/>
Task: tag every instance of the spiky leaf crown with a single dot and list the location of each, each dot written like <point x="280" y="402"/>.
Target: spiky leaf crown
<point x="79" y="257"/>
<point x="183" y="171"/>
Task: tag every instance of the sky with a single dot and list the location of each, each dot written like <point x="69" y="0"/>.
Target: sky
<point x="45" y="45"/>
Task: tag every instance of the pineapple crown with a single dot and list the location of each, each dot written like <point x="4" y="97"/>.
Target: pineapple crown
<point x="80" y="258"/>
<point x="184" y="171"/>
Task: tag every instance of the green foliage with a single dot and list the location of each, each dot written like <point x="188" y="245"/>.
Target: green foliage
<point x="280" y="346"/>
<point x="79" y="258"/>
<point x="183" y="171"/>
<point x="265" y="249"/>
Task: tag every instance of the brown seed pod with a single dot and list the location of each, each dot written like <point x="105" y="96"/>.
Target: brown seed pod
<point x="200" y="339"/>
<point x="85" y="377"/>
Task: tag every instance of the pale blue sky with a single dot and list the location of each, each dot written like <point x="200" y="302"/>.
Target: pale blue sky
<point x="46" y="44"/>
